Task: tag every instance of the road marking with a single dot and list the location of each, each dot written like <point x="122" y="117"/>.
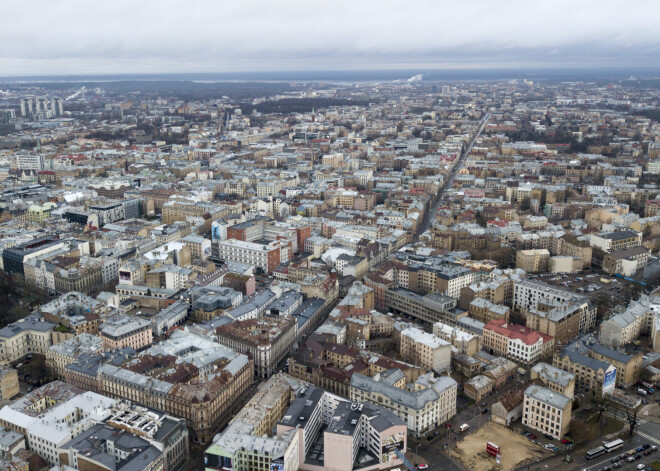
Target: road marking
<point x="648" y="437"/>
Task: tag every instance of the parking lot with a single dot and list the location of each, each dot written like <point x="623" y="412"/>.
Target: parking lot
<point x="594" y="284"/>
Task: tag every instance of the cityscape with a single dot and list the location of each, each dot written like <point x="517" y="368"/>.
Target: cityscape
<point x="349" y="268"/>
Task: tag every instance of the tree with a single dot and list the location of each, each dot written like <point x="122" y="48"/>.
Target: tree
<point x="631" y="418"/>
<point x="600" y="405"/>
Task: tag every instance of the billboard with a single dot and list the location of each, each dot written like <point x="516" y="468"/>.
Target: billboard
<point x="390" y="445"/>
<point x="610" y="379"/>
<point x="215" y="231"/>
<point x="492" y="449"/>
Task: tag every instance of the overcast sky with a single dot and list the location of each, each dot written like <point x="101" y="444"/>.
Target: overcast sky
<point x="143" y="36"/>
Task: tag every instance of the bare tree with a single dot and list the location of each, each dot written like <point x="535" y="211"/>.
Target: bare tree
<point x="631" y="418"/>
<point x="600" y="405"/>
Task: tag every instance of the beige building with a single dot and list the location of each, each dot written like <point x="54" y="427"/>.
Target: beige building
<point x="554" y="378"/>
<point x="8" y="382"/>
<point x="268" y="340"/>
<point x="564" y="264"/>
<point x="638" y="318"/>
<point x="432" y="401"/>
<point x="478" y="387"/>
<point x="547" y="411"/>
<point x="508" y="408"/>
<point x="423" y="349"/>
<point x="589" y="372"/>
<point x="198" y="380"/>
<point x="465" y="342"/>
<point x="59" y="356"/>
<point x="533" y="260"/>
<point x="486" y="311"/>
<point x="29" y="335"/>
<point x="124" y="331"/>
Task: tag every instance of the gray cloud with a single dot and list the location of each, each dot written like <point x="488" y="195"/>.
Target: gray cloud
<point x="72" y="36"/>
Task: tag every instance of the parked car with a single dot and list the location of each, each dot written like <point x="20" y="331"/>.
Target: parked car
<point x="422" y="466"/>
<point x="532" y="436"/>
<point x="548" y="436"/>
<point x="617" y="464"/>
<point x="641" y="466"/>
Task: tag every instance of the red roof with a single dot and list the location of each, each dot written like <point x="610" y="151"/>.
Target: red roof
<point x="516" y="331"/>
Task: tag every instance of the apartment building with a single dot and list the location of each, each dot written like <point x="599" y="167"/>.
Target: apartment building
<point x="428" y="309"/>
<point x="640" y="317"/>
<point x="48" y="422"/>
<point x="554" y="378"/>
<point x="434" y="276"/>
<point x="486" y="311"/>
<point x="516" y="342"/>
<point x="614" y="241"/>
<point x="200" y="248"/>
<point x="9" y="386"/>
<point x="432" y="401"/>
<point x="464" y="341"/>
<point x="553" y="311"/>
<point x="422" y="348"/>
<point x="593" y="376"/>
<point x="77" y="311"/>
<point x="59" y="356"/>
<point x="248" y="443"/>
<point x="31" y="334"/>
<point x="533" y="260"/>
<point x="348" y="430"/>
<point x="123" y="331"/>
<point x="188" y="376"/>
<point x="547" y="411"/>
<point x="181" y="210"/>
<point x="268" y="340"/>
<point x="626" y="261"/>
<point x="263" y="256"/>
<point x="95" y="447"/>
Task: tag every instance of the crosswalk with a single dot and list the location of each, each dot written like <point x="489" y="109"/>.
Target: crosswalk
<point x="648" y="437"/>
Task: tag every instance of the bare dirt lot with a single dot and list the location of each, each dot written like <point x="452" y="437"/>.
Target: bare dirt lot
<point x="514" y="449"/>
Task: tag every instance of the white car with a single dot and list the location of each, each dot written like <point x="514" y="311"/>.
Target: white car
<point x="641" y="466"/>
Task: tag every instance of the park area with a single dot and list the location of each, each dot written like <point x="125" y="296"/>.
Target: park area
<point x="514" y="449"/>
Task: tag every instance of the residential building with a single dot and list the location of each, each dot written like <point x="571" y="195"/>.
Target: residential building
<point x="188" y="376"/>
<point x="547" y="411"/>
<point x="431" y="402"/>
<point x="123" y="331"/>
<point x="422" y="348"/>
<point x="554" y="378"/>
<point x="516" y="342"/>
<point x="9" y="386"/>
<point x="268" y="340"/>
<point x="26" y="336"/>
<point x="428" y="309"/>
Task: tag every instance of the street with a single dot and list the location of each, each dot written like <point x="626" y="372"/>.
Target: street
<point x="429" y="216"/>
